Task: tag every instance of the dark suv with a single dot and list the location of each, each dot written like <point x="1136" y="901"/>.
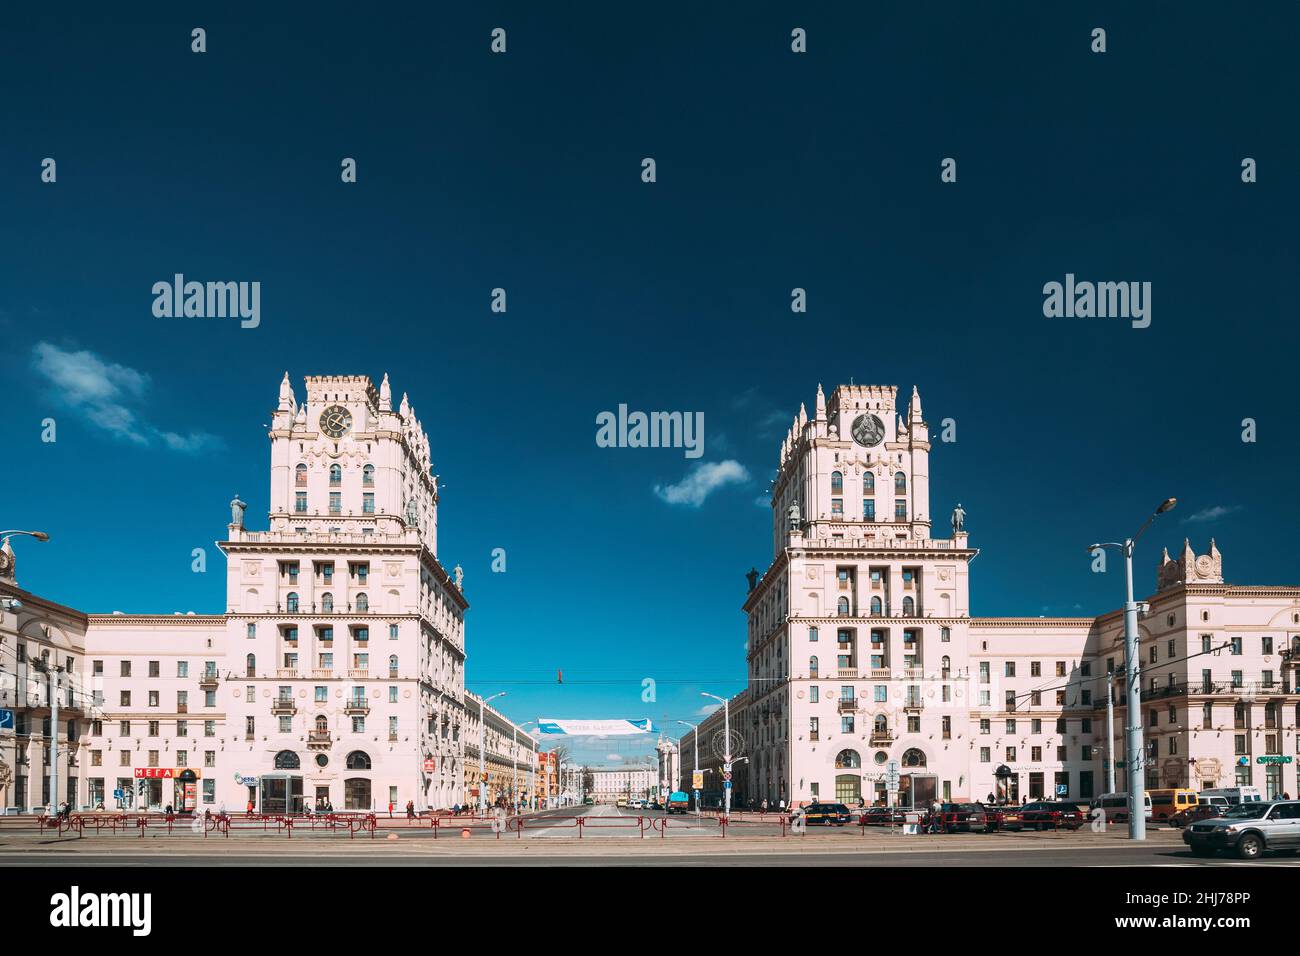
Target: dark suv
<point x="963" y="817"/>
<point x="1051" y="815"/>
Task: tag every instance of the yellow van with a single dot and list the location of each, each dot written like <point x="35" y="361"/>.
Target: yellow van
<point x="1165" y="803"/>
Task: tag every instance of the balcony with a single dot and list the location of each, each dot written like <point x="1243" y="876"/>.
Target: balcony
<point x="846" y="706"/>
<point x="882" y="738"/>
<point x="318" y="738"/>
<point x="286" y="673"/>
<point x="913" y="704"/>
<point x="208" y="681"/>
<point x="849" y="672"/>
<point x="357" y="673"/>
<point x="322" y="673"/>
<point x="880" y="673"/>
<point x="356" y="707"/>
<point x="282" y="706"/>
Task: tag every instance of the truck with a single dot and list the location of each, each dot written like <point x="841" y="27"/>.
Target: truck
<point x="679" y="801"/>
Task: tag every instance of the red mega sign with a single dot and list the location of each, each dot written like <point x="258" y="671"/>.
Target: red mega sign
<point x="166" y="773"/>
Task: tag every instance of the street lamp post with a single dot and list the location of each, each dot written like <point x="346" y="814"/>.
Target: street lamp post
<point x="695" y="732"/>
<point x="1133" y="755"/>
<point x="726" y="757"/>
<point x="482" y="751"/>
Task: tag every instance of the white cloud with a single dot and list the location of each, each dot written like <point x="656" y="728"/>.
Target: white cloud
<point x="707" y="709"/>
<point x="614" y="758"/>
<point x="1213" y="513"/>
<point x="104" y="393"/>
<point x="701" y="481"/>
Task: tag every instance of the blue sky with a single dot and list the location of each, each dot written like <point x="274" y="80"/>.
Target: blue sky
<point x="522" y="171"/>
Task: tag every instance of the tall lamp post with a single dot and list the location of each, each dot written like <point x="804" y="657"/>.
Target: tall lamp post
<point x="482" y="751"/>
<point x="1133" y="752"/>
<point x="726" y="757"/>
<point x="514" y="762"/>
<point x="13" y="604"/>
<point x="695" y="732"/>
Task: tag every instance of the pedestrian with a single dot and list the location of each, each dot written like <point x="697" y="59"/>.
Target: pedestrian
<point x="250" y="808"/>
<point x="410" y="809"/>
<point x="783" y="804"/>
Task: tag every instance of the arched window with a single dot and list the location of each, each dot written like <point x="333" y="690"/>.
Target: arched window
<point x="300" y="476"/>
<point x="945" y="665"/>
<point x="909" y="606"/>
<point x="368" y="475"/>
<point x="837" y="483"/>
<point x="847" y="760"/>
<point x="913" y="758"/>
<point x="868" y="484"/>
<point x="287" y="760"/>
<point x="392" y="665"/>
<point x="358" y="760"/>
<point x="291" y="603"/>
<point x="812" y="666"/>
<point x="336" y="476"/>
<point x="876" y="606"/>
<point x="843" y="606"/>
<point x="880" y="725"/>
<point x="250" y="665"/>
<point x="327" y="602"/>
<point x="900" y="483"/>
<point x="363" y="602"/>
<point x="322" y="724"/>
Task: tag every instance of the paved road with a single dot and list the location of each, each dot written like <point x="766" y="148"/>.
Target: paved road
<point x="610" y="837"/>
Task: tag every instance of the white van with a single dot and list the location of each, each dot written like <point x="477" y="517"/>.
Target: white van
<point x="1116" y="806"/>
<point x="1234" y="795"/>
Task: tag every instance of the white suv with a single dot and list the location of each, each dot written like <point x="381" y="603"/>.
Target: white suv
<point x="1248" y="829"/>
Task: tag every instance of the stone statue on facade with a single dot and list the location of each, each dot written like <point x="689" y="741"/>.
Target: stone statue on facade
<point x="412" y="513"/>
<point x="958" y="518"/>
<point x="237" y="509"/>
<point x="459" y="573"/>
<point x="793" y="515"/>
<point x="752" y="575"/>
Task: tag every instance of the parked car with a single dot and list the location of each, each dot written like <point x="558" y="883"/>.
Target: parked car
<point x="963" y="818"/>
<point x="880" y="817"/>
<point x="1004" y="817"/>
<point x="1248" y="830"/>
<point x="831" y="814"/>
<point x="1051" y="815"/>
<point x="1202" y="811"/>
<point x="678" y="802"/>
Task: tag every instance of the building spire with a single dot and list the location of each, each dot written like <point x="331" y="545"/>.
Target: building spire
<point x="820" y="409"/>
<point x="915" y="411"/>
<point x="287" y="402"/>
<point x="385" y="395"/>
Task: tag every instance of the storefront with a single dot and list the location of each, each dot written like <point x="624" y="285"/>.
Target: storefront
<point x="150" y="793"/>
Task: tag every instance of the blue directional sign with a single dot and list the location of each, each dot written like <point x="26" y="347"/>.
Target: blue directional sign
<point x="726" y="784"/>
<point x="6" y="720"/>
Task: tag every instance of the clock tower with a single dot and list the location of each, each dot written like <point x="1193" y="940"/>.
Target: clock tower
<point x="345" y="634"/>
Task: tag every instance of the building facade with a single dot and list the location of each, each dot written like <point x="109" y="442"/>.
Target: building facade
<point x="510" y="766"/>
<point x="336" y="674"/>
<point x="868" y="680"/>
<point x="633" y="783"/>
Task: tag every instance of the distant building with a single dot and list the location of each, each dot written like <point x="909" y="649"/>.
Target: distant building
<point x="634" y="783"/>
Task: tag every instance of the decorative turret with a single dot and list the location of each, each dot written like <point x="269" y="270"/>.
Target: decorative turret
<point x="385" y="395"/>
<point x="820" y="409"/>
<point x="287" y="401"/>
<point x="1190" y="568"/>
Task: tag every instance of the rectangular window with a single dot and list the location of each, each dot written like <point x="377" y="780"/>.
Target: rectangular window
<point x="846" y="724"/>
<point x="900" y="510"/>
<point x="300" y="502"/>
<point x="868" y="509"/>
<point x="393" y="632"/>
<point x="125" y="668"/>
<point x="182" y="668"/>
<point x="1010" y="669"/>
<point x="154" y="669"/>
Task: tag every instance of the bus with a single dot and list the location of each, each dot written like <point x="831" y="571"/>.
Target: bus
<point x="1115" y="806"/>
<point x="1235" y="795"/>
<point x="1165" y="803"/>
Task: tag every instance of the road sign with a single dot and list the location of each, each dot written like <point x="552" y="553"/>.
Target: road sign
<point x="430" y="765"/>
<point x="6" y="720"/>
<point x="1062" y="789"/>
<point x="726" y="785"/>
<point x="119" y="794"/>
<point x="727" y="775"/>
<point x="727" y="766"/>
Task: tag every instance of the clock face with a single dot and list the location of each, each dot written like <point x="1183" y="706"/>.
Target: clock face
<point x="335" y="420"/>
<point x="868" y="430"/>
